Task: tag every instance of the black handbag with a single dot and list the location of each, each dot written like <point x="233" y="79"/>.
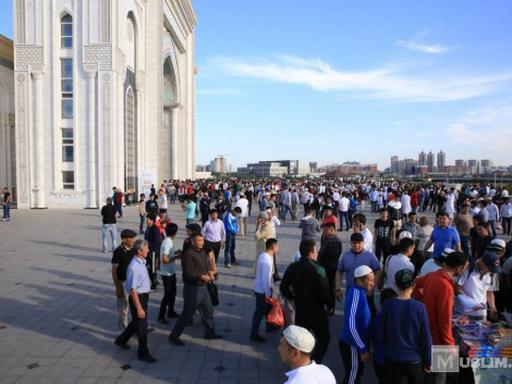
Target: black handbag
<point x="214" y="294"/>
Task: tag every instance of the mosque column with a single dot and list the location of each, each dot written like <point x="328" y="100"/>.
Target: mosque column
<point x="174" y="141"/>
<point x="39" y="162"/>
<point x="92" y="201"/>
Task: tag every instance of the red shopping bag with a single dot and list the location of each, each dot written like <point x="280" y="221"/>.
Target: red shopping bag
<point x="275" y="316"/>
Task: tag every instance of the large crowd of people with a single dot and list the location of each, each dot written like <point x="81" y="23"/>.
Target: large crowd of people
<point x="424" y="270"/>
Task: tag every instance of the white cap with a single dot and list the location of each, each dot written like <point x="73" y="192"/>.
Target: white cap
<point x="362" y="270"/>
<point x="404" y="234"/>
<point x="499" y="243"/>
<point x="299" y="338"/>
<point x="447" y="251"/>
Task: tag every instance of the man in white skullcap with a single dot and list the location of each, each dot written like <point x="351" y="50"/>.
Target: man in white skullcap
<point x="295" y="348"/>
<point x="355" y="337"/>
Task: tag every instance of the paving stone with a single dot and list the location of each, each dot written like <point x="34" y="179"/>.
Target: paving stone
<point x="59" y="310"/>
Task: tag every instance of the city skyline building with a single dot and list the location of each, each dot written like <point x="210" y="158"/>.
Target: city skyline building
<point x="431" y="163"/>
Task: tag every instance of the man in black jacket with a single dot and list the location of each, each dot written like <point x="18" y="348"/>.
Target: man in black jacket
<point x="154" y="239"/>
<point x="108" y="212"/>
<point x="197" y="273"/>
<point x="305" y="282"/>
<point x="329" y="254"/>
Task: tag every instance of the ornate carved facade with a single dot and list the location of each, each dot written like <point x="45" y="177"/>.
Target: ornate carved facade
<point x="104" y="91"/>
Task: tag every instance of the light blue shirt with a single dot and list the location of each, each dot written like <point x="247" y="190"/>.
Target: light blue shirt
<point x="191" y="210"/>
<point x="167" y="248"/>
<point x="137" y="276"/>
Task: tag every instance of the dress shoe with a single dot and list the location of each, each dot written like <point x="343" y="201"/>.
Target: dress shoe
<point x="173" y="315"/>
<point x="121" y="345"/>
<point x="147" y="358"/>
<point x="163" y="320"/>
<point x="213" y="336"/>
<point x="258" y="339"/>
<point x="176" y="341"/>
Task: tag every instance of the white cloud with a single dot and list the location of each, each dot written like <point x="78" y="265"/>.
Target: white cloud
<point x="389" y="83"/>
<point x="218" y="92"/>
<point x="488" y="129"/>
<point x="414" y="45"/>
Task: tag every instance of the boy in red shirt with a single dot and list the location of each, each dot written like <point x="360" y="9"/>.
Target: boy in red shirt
<point x="435" y="290"/>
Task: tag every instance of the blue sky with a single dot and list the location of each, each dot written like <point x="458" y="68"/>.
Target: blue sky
<point x="332" y="81"/>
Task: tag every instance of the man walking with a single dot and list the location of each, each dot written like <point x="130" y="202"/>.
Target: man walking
<point x="305" y="282"/>
<point x="355" y="337"/>
<point x="120" y="260"/>
<point x="117" y="198"/>
<point x="214" y="233"/>
<point x="6" y="204"/>
<point x="137" y="285"/>
<point x="197" y="274"/>
<point x="154" y="239"/>
<point x="231" y="227"/>
<point x="108" y="212"/>
<point x="168" y="257"/>
<point x="263" y="285"/>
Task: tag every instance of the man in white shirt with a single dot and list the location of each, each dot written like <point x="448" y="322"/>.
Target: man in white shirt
<point x="475" y="285"/>
<point x="506" y="216"/>
<point x="406" y="205"/>
<point x="344" y="206"/>
<point x="263" y="285"/>
<point x="398" y="262"/>
<point x="214" y="233"/>
<point x="432" y="265"/>
<point x="295" y="347"/>
<point x="360" y="226"/>
<point x="243" y="203"/>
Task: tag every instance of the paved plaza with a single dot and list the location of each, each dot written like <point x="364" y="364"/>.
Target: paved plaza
<point x="58" y="318"/>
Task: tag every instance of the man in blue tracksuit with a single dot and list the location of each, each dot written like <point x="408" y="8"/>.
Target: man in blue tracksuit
<point x="354" y="340"/>
<point x="231" y="226"/>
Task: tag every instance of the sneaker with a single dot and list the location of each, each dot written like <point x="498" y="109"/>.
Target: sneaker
<point x="4" y="219"/>
<point x="176" y="341"/>
<point x="121" y="345"/>
<point x="163" y="320"/>
<point x="227" y="265"/>
<point x="258" y="339"/>
<point x="147" y="358"/>
<point x="213" y="336"/>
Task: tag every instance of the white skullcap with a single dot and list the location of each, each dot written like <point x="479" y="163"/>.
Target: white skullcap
<point x="362" y="270"/>
<point x="404" y="234"/>
<point x="446" y="252"/>
<point x="299" y="338"/>
<point x="499" y="243"/>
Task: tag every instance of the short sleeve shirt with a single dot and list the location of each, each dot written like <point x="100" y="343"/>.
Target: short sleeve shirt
<point x="167" y="248"/>
<point x="444" y="238"/>
<point x="350" y="261"/>
<point x="137" y="276"/>
<point x="191" y="210"/>
<point x="122" y="258"/>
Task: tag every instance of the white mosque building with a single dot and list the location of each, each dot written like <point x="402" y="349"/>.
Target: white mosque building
<point x="104" y="96"/>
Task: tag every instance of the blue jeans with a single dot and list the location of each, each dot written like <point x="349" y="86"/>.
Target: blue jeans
<point x="119" y="209"/>
<point x="287" y="208"/>
<point x="344" y="217"/>
<point x="262" y="308"/>
<point x="7" y="211"/>
<point x="106" y="230"/>
<point x="229" y="250"/>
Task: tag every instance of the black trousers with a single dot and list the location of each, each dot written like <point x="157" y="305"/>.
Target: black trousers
<point x="195" y="297"/>
<point x="214" y="246"/>
<point x="138" y="326"/>
<point x="169" y="295"/>
<point x="382" y="249"/>
<point x="354" y="367"/>
<point x="316" y="321"/>
<point x="151" y="264"/>
<point x="401" y="372"/>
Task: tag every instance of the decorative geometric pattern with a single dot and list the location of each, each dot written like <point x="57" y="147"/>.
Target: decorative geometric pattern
<point x="101" y="54"/>
<point x="32" y="55"/>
